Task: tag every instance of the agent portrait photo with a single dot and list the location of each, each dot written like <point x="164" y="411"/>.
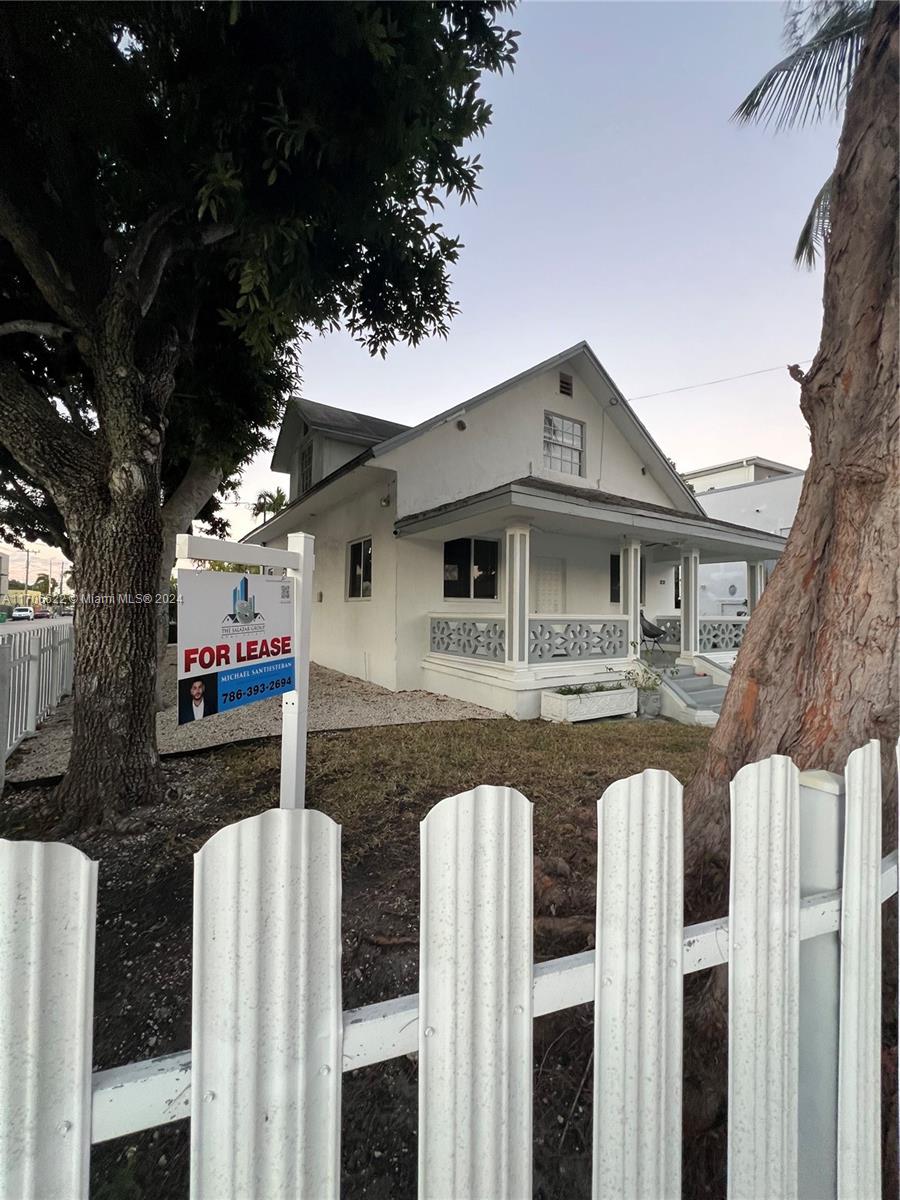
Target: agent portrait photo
<point x="197" y="698"/>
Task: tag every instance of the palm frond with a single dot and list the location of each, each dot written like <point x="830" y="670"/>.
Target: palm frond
<point x="815" y="78"/>
<point x="816" y="228"/>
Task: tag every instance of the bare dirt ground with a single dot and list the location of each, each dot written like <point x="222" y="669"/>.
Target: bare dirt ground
<point x="336" y="701"/>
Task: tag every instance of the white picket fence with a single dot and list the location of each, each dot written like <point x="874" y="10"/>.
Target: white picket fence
<point x="36" y="664"/>
<point x="262" y="1080"/>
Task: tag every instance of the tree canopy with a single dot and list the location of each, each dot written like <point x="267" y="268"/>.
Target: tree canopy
<point x="187" y="190"/>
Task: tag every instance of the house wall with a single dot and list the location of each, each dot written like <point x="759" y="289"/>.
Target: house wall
<point x="4" y="574"/>
<point x="327" y="455"/>
<point x="354" y="636"/>
<point x="503" y="441"/>
<point x="769" y="504"/>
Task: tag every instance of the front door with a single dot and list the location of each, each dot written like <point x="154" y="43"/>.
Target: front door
<point x="548" y="585"/>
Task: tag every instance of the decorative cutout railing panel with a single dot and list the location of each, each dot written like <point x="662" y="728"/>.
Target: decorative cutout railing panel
<point x="478" y="637"/>
<point x="671" y="627"/>
<point x="577" y="638"/>
<point x="721" y="633"/>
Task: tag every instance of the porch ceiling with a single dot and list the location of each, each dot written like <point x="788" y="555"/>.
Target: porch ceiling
<point x="577" y="512"/>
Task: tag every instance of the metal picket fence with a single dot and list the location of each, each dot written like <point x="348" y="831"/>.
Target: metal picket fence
<point x="261" y="1083"/>
<point x="36" y="667"/>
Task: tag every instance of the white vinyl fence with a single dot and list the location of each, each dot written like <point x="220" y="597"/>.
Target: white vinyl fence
<point x="261" y="1082"/>
<point x="36" y="665"/>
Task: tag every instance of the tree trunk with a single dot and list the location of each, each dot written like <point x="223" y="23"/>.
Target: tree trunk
<point x="114" y="766"/>
<point x="816" y="676"/>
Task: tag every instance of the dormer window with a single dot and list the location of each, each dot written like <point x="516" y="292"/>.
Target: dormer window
<point x="563" y="444"/>
<point x="304" y="473"/>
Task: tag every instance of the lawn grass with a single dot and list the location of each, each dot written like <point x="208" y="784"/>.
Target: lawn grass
<point x="372" y="780"/>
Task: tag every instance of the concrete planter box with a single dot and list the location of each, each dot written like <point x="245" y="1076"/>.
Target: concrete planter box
<point x="588" y="706"/>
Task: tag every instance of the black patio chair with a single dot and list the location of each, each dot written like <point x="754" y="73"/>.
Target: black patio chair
<point x="651" y="634"/>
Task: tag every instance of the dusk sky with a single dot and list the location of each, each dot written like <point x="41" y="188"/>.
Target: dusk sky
<point x="619" y="204"/>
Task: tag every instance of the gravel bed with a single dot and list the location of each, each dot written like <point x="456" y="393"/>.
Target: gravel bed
<point x="336" y="701"/>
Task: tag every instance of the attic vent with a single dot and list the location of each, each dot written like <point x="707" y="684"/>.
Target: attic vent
<point x="565" y="384"/>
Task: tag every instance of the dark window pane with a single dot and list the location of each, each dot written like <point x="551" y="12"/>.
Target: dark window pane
<point x="678" y="587"/>
<point x="615" y="579"/>
<point x="484" y="583"/>
<point x="643" y="599"/>
<point x="354" y="582"/>
<point x="366" y="547"/>
<point x="457" y="568"/>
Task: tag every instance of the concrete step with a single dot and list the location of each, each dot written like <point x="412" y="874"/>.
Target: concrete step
<point x="694" y="683"/>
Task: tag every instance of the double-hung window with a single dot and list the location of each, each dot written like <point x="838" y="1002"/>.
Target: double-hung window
<point x="470" y="569"/>
<point x="304" y="473"/>
<point x="563" y="444"/>
<point x="359" y="569"/>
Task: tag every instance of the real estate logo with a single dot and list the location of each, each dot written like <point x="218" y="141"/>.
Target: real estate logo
<point x="243" y="606"/>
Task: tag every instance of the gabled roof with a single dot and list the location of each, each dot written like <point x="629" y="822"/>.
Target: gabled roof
<point x="620" y="411"/>
<point x="338" y="423"/>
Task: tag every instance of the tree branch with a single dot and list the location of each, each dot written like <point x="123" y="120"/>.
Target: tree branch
<point x="134" y="260"/>
<point x="40" y="266"/>
<point x="199" y="484"/>
<point x="47" y="447"/>
<point x="47" y="329"/>
<point x="151" y="276"/>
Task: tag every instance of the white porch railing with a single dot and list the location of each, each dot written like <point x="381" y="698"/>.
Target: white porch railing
<point x="551" y="637"/>
<point x="481" y="637"/>
<point x="263" y="1094"/>
<point x="554" y="636"/>
<point x="716" y="633"/>
<point x="35" y="673"/>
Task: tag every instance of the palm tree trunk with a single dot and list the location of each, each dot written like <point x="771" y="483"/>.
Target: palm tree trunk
<point x="817" y="675"/>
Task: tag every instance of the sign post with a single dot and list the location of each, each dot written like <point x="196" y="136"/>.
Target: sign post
<point x="246" y="638"/>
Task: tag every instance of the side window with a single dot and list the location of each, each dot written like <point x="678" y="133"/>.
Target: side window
<point x="359" y="569"/>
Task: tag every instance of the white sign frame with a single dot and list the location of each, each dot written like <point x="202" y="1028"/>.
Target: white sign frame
<point x="299" y="563"/>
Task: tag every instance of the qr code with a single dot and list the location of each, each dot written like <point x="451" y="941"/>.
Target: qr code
<point x="285" y="591"/>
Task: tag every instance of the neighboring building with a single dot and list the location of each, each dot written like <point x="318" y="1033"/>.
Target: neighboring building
<point x="4" y="574"/>
<point x="741" y="470"/>
<point x="767" y="499"/>
<point x="505" y="546"/>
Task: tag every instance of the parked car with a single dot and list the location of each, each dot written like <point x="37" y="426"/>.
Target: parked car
<point x="67" y="612"/>
<point x="42" y="614"/>
<point x="22" y="612"/>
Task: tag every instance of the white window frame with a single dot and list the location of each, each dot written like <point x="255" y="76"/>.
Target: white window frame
<point x="360" y="541"/>
<point x="547" y="460"/>
<point x="472" y="599"/>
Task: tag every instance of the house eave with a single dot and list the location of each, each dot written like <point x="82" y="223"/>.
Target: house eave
<point x="628" y="517"/>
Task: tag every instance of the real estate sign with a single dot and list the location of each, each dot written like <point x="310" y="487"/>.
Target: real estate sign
<point x="236" y="641"/>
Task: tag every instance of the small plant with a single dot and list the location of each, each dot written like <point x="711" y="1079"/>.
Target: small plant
<point x="644" y="678"/>
<point x="587" y="689"/>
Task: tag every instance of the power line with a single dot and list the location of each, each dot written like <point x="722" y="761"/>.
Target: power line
<point x="711" y="382"/>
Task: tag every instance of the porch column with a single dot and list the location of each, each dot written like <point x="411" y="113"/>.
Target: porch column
<point x="631" y="592"/>
<point x="690" y="601"/>
<point x="518" y="554"/>
<point x="756" y="581"/>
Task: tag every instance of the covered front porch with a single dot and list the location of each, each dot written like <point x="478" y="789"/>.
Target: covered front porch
<point x="574" y="572"/>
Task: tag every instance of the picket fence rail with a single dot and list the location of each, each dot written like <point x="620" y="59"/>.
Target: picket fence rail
<point x="36" y="667"/>
<point x="262" y="1080"/>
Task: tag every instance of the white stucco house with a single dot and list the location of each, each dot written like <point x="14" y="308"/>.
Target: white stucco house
<point x="750" y="491"/>
<point x="505" y="546"/>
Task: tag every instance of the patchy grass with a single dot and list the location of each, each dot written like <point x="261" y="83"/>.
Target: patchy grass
<point x="367" y="779"/>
